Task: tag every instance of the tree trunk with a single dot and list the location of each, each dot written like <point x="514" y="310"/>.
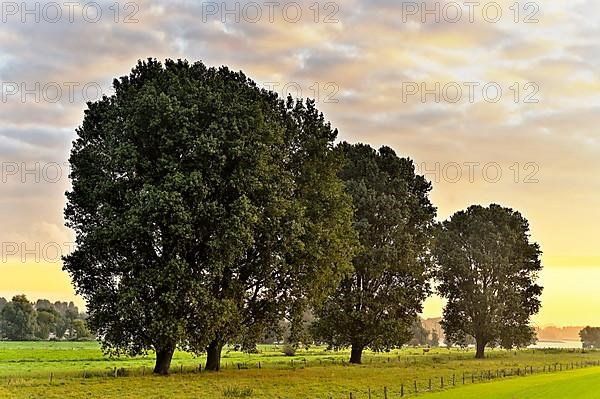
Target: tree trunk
<point x="356" y="354"/>
<point x="163" y="360"/>
<point x="480" y="354"/>
<point x="213" y="356"/>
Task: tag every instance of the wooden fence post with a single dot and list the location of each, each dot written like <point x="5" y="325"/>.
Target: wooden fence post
<point x="401" y="390"/>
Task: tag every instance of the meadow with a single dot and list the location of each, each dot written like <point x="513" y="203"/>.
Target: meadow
<point x="79" y="369"/>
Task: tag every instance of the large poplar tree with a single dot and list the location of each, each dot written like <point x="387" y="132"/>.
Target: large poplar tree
<point x="299" y="246"/>
<point x="376" y="306"/>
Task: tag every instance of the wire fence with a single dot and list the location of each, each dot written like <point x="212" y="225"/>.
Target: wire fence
<point x="404" y="387"/>
<point x="442" y="382"/>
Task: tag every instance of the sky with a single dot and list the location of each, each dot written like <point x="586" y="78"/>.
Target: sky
<point x="496" y="102"/>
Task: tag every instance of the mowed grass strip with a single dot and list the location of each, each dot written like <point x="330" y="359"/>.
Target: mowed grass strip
<point x="576" y="384"/>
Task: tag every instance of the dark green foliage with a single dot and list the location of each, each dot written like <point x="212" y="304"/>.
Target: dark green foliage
<point x="204" y="208"/>
<point x="376" y="306"/>
<point x="590" y="337"/>
<point x="487" y="270"/>
<point x="18" y="319"/>
<point x="278" y="278"/>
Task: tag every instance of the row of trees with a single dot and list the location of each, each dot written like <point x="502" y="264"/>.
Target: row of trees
<point x="21" y="320"/>
<point x="207" y="210"/>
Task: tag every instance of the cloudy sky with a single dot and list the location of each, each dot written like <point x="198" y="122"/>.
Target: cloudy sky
<point x="494" y="101"/>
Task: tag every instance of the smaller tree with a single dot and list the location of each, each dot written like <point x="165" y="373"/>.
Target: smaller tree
<point x="80" y="330"/>
<point x="419" y="333"/>
<point x="435" y="339"/>
<point x="590" y="337"/>
<point x="376" y="306"/>
<point x="46" y="322"/>
<point x="487" y="270"/>
<point x="18" y="319"/>
<point x="71" y="314"/>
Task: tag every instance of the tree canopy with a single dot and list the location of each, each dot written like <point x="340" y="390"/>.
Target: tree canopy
<point x="17" y="319"/>
<point x="376" y="306"/>
<point x="487" y="269"/>
<point x="204" y="210"/>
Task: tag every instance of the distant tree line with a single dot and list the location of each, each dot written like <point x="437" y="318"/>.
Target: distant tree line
<point x="421" y="336"/>
<point x="207" y="210"/>
<point x="553" y="333"/>
<point x="21" y="320"/>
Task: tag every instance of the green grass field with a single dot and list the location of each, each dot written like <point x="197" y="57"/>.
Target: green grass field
<point x="577" y="384"/>
<point x="79" y="370"/>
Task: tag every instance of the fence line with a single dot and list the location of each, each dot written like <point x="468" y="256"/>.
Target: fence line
<point x="440" y="383"/>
